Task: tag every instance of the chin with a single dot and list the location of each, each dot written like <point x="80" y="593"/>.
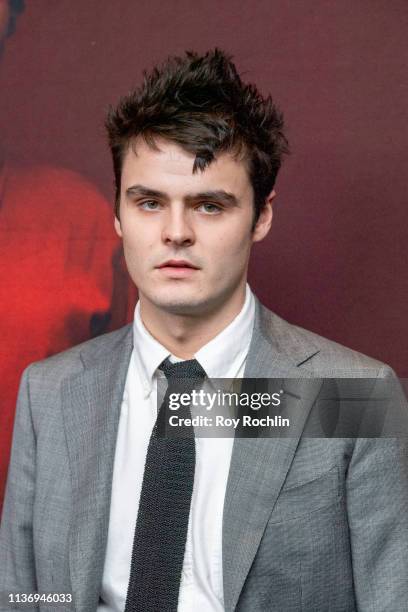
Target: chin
<point x="187" y="301"/>
<point x="182" y="307"/>
<point x="180" y="304"/>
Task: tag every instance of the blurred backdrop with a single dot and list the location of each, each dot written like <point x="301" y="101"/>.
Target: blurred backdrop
<point x="336" y="260"/>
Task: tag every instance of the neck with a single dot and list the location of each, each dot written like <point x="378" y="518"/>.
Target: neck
<point x="184" y="335"/>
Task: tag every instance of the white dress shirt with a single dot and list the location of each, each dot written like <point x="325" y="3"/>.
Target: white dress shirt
<point x="201" y="588"/>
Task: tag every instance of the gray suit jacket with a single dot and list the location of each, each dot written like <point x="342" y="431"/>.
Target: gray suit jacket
<point x="310" y="524"/>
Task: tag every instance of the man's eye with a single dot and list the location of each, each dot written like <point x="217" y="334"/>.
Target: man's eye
<point x="149" y="205"/>
<point x="210" y="208"/>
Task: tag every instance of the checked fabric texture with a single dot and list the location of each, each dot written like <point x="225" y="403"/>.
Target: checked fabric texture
<point x="164" y="508"/>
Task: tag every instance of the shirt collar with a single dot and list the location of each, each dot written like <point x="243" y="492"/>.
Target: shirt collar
<point x="148" y="352"/>
<point x="222" y="357"/>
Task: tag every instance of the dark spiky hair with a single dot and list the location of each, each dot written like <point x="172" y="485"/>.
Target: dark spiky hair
<point x="200" y="103"/>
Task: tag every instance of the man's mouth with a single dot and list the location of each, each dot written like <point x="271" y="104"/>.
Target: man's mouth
<point x="177" y="263"/>
<point x="177" y="268"/>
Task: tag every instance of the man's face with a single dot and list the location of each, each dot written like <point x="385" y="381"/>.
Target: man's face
<point x="187" y="237"/>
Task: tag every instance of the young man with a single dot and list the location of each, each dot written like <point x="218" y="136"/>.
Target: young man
<point x="97" y="503"/>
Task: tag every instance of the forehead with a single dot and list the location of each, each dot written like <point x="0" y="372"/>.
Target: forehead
<point x="170" y="168"/>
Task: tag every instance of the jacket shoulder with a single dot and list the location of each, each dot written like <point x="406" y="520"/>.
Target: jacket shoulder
<point x="42" y="381"/>
<point x="322" y="355"/>
<point x="69" y="362"/>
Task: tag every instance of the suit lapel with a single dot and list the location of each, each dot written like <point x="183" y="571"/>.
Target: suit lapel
<point x="259" y="465"/>
<point x="91" y="409"/>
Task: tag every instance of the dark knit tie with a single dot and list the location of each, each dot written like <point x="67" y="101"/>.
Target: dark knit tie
<point x="162" y="521"/>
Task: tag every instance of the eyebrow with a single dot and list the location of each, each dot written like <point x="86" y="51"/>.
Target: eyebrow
<point x="217" y="194"/>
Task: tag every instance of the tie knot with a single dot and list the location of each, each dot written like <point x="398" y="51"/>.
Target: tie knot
<point x="182" y="369"/>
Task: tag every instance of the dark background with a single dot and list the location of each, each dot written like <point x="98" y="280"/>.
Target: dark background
<point x="336" y="260"/>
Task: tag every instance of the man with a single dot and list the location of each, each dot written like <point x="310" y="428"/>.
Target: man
<point x="98" y="504"/>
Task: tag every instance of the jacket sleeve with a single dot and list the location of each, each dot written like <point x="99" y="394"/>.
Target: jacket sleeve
<point x="377" y="499"/>
<point x="17" y="566"/>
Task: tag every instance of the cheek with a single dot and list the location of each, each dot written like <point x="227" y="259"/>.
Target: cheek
<point x="230" y="256"/>
<point x="233" y="244"/>
<point x="136" y="235"/>
<point x="139" y="250"/>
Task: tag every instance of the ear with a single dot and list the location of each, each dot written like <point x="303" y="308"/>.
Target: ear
<point x="118" y="228"/>
<point x="263" y="225"/>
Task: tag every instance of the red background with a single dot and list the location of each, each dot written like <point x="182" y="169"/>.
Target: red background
<point x="336" y="260"/>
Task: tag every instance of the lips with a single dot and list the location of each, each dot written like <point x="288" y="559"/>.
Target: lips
<point x="177" y="263"/>
<point x="179" y="270"/>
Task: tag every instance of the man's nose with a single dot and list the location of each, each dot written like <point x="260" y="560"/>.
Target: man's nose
<point x="177" y="227"/>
